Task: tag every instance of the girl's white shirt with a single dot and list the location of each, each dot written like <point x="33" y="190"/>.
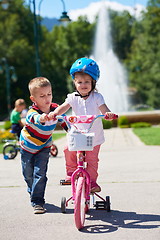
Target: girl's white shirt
<point x="90" y="106"/>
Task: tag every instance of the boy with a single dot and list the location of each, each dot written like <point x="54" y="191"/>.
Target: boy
<point x="36" y="140"/>
<point x="15" y="117"/>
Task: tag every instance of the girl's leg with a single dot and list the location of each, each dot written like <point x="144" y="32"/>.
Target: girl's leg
<point x="71" y="162"/>
<point x="92" y="166"/>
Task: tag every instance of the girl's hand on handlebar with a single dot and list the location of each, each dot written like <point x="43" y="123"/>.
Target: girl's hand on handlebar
<point x="110" y="116"/>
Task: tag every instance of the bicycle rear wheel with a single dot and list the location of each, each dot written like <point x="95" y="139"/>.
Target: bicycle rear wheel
<point x="10" y="151"/>
<point x="54" y="150"/>
<point x="80" y="203"/>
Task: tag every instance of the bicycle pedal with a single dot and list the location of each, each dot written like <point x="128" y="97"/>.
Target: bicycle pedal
<point x="100" y="205"/>
<point x="64" y="182"/>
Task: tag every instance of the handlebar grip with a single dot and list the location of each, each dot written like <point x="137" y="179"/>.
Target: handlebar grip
<point x="115" y="116"/>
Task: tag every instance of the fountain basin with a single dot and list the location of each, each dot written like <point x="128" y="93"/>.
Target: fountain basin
<point x="152" y="117"/>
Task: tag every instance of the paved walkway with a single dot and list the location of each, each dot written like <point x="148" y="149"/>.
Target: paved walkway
<point x="128" y="173"/>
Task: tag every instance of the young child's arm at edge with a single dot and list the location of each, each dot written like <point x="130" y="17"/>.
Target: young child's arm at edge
<point x="106" y="111"/>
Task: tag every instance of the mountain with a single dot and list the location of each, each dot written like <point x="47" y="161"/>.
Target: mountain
<point x="49" y="22"/>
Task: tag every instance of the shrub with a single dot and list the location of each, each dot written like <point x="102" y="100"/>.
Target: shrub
<point x="4" y="135"/>
<point x="106" y="124"/>
<point x="140" y="125"/>
<point x="123" y="122"/>
<point x="7" y="125"/>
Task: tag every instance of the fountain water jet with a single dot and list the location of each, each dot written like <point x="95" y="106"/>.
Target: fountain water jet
<point x="113" y="77"/>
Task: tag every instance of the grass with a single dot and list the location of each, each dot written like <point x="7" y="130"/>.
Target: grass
<point x="56" y="136"/>
<point x="1" y="147"/>
<point x="150" y="136"/>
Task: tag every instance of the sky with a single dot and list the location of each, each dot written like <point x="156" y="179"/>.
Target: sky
<point x="54" y="8"/>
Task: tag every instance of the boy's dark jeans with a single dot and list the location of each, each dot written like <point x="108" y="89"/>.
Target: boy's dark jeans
<point x="34" y="168"/>
<point x="16" y="128"/>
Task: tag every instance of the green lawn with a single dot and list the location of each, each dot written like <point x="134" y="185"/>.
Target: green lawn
<point x="56" y="135"/>
<point x="1" y="147"/>
<point x="150" y="136"/>
<point x="1" y="127"/>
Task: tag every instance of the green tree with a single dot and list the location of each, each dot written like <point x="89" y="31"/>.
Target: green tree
<point x="16" y="45"/>
<point x="144" y="60"/>
<point x="136" y="42"/>
<point x="121" y="25"/>
<point x="62" y="47"/>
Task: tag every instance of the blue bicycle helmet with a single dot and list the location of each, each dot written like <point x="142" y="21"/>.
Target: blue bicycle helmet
<point x="85" y="65"/>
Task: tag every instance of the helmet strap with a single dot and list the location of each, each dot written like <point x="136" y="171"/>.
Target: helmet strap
<point x="78" y="94"/>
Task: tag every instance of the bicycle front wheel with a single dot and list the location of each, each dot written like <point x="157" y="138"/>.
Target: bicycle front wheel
<point x="80" y="203"/>
<point x="10" y="151"/>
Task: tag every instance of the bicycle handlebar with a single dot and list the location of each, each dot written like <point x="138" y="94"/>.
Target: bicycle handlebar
<point x="71" y="120"/>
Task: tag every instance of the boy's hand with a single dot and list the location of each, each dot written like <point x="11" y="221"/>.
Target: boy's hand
<point x="52" y="116"/>
<point x="110" y="116"/>
<point x="43" y="118"/>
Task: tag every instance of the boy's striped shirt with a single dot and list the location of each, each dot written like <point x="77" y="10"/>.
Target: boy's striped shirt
<point x="35" y="135"/>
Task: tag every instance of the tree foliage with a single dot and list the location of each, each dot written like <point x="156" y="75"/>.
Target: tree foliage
<point x="122" y="33"/>
<point x="62" y="46"/>
<point x="144" y="59"/>
<point x="136" y="43"/>
<point x="16" y="45"/>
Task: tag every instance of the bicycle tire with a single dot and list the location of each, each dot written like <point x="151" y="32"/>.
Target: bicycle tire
<point x="54" y="150"/>
<point x="63" y="205"/>
<point x="80" y="203"/>
<point x="87" y="207"/>
<point x="108" y="204"/>
<point x="10" y="151"/>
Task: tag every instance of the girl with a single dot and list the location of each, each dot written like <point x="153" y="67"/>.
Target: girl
<point x="85" y="101"/>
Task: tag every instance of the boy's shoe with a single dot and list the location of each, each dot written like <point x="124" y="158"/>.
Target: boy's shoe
<point x="95" y="187"/>
<point x="38" y="209"/>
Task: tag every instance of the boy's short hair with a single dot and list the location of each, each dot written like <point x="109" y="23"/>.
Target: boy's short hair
<point x="38" y="82"/>
<point x="19" y="102"/>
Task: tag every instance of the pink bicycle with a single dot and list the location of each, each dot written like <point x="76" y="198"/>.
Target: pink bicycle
<point x="82" y="141"/>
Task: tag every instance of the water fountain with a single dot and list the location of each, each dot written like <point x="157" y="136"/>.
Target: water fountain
<point x="113" y="80"/>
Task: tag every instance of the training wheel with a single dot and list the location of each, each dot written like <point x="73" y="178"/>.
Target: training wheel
<point x="108" y="204"/>
<point x="63" y="205"/>
<point x="103" y="205"/>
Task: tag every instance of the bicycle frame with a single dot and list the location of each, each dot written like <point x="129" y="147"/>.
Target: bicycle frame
<point x="80" y="170"/>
